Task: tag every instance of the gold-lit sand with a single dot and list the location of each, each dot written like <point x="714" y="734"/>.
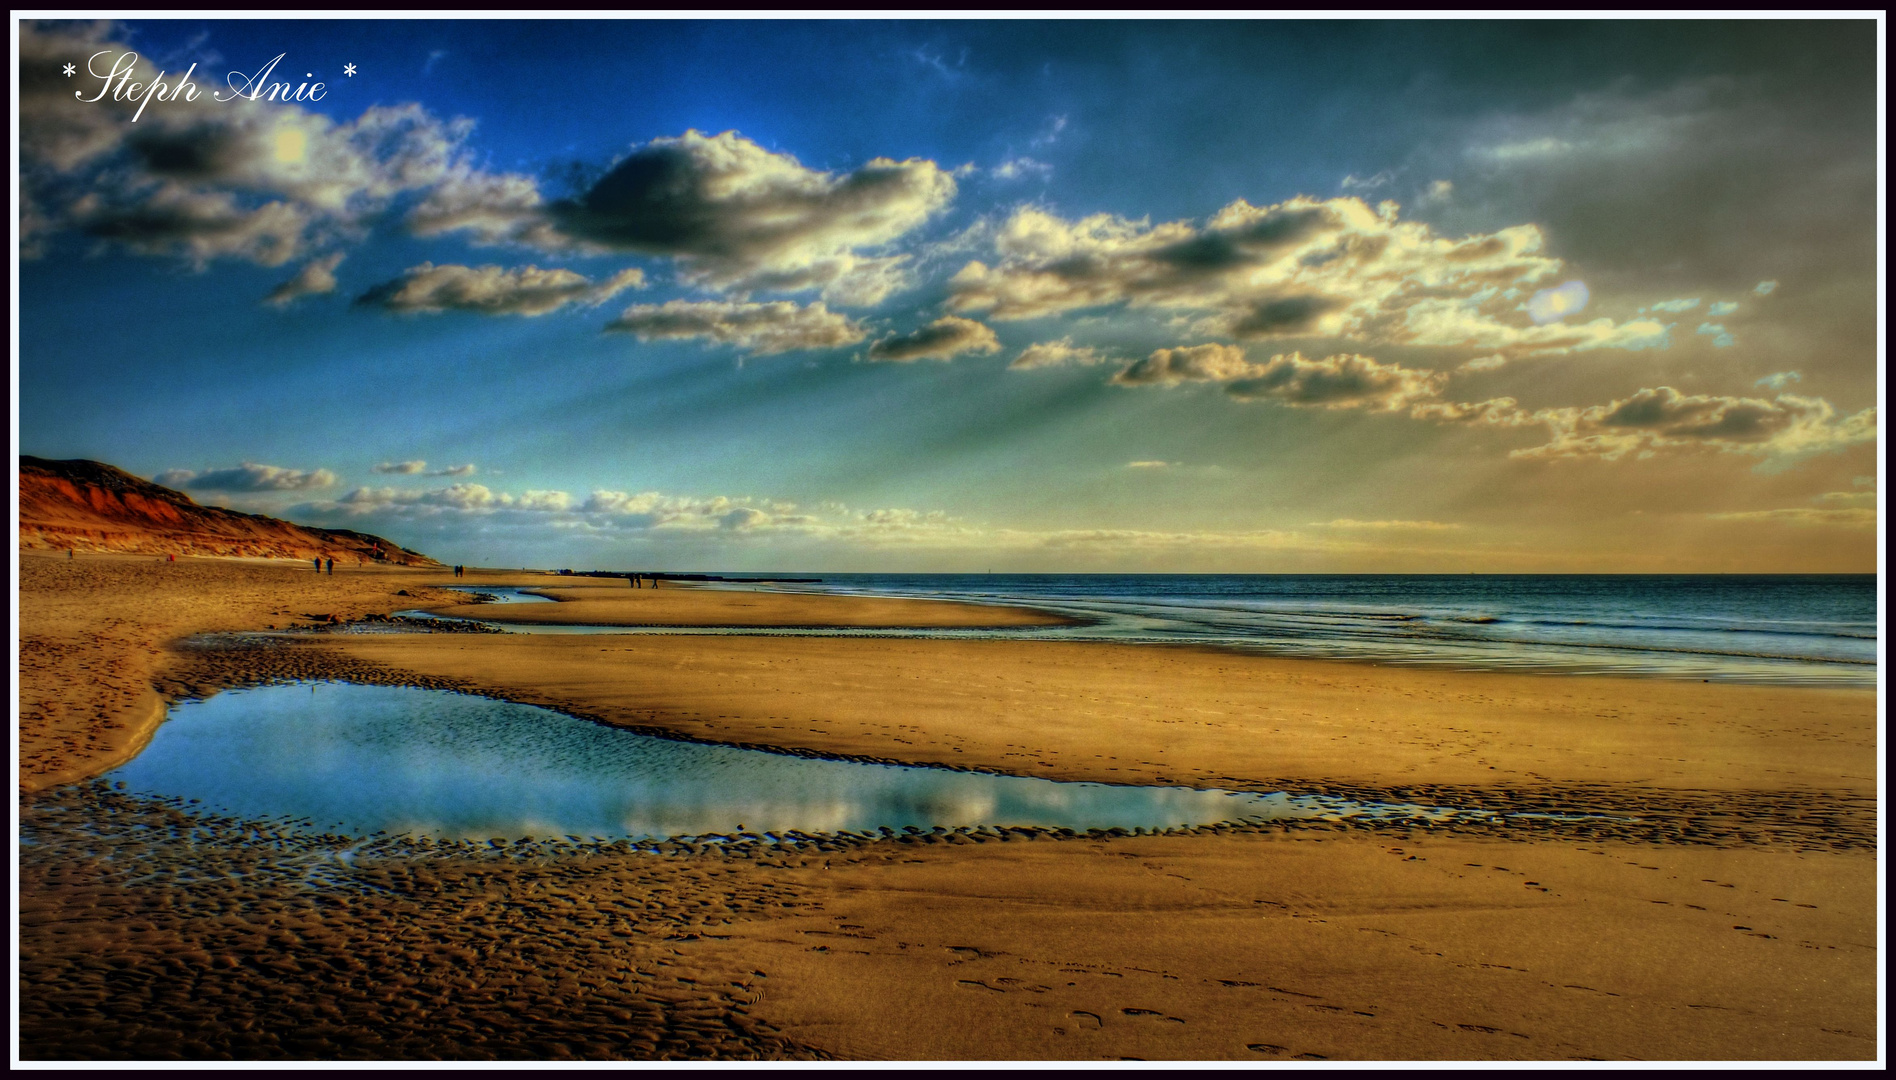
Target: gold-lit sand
<point x="1733" y="916"/>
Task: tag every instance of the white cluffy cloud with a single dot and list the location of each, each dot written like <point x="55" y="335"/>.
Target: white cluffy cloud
<point x="760" y="329"/>
<point x="1301" y="268"/>
<point x="491" y="290"/>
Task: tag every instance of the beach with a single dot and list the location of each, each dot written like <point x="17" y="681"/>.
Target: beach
<point x="1686" y="870"/>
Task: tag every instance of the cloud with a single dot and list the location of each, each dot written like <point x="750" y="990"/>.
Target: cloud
<point x="491" y="290"/>
<point x="1555" y="304"/>
<point x="1015" y="168"/>
<point x="739" y="217"/>
<point x="1420" y="526"/>
<point x="205" y="180"/>
<point x="1663" y="419"/>
<point x="1722" y="308"/>
<point x="1353" y="182"/>
<point x="1149" y="464"/>
<point x="247" y="477"/>
<point x="760" y="329"/>
<point x="1055" y="354"/>
<point x="1721" y="338"/>
<point x="1342" y="381"/>
<point x="1300" y="268"/>
<point x="1674" y="307"/>
<point x="317" y="277"/>
<point x="943" y="339"/>
<point x="417" y="468"/>
<point x="493" y="208"/>
<point x="1779" y="380"/>
<point x="461" y="498"/>
<point x="1765" y="288"/>
<point x="1195" y="363"/>
<point x="1850" y="518"/>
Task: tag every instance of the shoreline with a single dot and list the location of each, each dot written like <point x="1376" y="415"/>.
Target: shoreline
<point x="1741" y="908"/>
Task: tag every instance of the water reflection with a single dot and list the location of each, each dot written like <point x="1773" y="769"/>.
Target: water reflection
<point x="360" y="759"/>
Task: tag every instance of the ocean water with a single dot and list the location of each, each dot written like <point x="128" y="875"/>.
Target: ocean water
<point x="1808" y="630"/>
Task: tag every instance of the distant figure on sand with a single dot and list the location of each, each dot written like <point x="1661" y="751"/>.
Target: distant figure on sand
<point x="318" y="564"/>
<point x="332" y="566"/>
<point x="171" y="558"/>
<point x="69" y="554"/>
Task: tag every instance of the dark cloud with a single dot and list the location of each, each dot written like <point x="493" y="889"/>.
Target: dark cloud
<point x="740" y="216"/>
<point x="1195" y="363"/>
<point x="1343" y="381"/>
<point x="942" y="339"/>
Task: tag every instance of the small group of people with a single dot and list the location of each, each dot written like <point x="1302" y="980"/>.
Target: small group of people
<point x="460" y="571"/>
<point x="636" y="578"/>
<point x="319" y="565"/>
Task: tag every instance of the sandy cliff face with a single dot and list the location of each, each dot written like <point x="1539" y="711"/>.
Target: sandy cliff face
<point x="91" y="506"/>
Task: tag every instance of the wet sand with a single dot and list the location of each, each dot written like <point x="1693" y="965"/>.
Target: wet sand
<point x="672" y="604"/>
<point x="1735" y="918"/>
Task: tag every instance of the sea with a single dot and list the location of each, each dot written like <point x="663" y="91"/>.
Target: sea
<point x="1780" y="629"/>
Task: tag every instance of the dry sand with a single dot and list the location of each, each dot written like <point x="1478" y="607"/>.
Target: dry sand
<point x="1736" y="919"/>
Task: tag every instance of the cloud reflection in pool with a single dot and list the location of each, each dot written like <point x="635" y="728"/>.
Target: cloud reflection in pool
<point x="358" y="759"/>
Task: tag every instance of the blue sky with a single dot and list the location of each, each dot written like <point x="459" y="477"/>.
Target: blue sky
<point x="837" y="295"/>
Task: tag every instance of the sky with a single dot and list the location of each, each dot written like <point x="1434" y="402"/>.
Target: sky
<point x="1023" y="296"/>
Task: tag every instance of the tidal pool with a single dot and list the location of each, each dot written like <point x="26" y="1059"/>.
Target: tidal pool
<point x="357" y="760"/>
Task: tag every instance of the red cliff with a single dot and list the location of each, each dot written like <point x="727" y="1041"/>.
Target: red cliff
<point x="91" y="506"/>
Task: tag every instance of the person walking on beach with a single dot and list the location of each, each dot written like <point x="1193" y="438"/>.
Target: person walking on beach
<point x="332" y="566"/>
<point x="318" y="564"/>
